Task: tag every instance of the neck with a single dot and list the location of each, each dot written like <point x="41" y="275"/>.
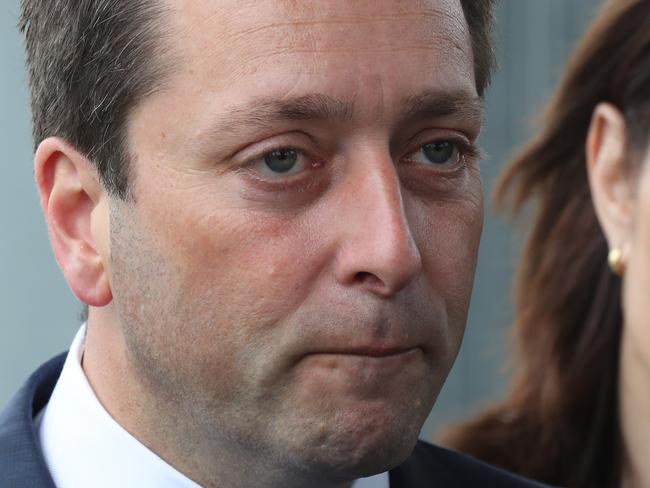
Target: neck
<point x="169" y="430"/>
<point x="634" y="404"/>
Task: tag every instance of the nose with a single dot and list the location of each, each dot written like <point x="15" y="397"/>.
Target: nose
<point x="377" y="250"/>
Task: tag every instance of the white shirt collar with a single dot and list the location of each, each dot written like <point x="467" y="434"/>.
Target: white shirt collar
<point x="84" y="446"/>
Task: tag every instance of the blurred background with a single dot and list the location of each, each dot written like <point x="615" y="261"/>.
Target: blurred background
<point x="39" y="315"/>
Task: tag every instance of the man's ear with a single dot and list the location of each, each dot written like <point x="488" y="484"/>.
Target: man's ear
<point x="75" y="205"/>
<point x="612" y="189"/>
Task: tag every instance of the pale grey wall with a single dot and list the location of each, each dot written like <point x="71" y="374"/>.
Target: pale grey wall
<point x="39" y="314"/>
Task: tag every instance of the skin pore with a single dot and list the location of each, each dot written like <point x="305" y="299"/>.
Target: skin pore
<point x="282" y="300"/>
<point x="620" y="185"/>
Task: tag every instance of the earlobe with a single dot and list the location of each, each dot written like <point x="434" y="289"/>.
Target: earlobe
<point x="75" y="208"/>
<point x="608" y="171"/>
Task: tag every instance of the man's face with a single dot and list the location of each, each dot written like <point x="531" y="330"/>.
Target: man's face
<point x="293" y="276"/>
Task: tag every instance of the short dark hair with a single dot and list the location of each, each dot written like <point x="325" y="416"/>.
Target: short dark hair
<point x="479" y="15"/>
<point x="91" y="61"/>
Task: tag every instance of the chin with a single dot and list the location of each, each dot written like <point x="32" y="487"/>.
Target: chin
<point x="361" y="443"/>
<point x="374" y="458"/>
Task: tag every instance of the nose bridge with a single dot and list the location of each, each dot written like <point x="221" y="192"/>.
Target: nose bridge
<point x="384" y="215"/>
<point x="378" y="248"/>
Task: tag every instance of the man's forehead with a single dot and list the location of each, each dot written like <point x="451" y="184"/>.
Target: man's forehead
<point x="229" y="40"/>
<point x="318" y="24"/>
<point x="366" y="56"/>
<point x="313" y="9"/>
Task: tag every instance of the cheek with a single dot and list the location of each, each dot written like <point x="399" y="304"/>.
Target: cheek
<point x="236" y="260"/>
<point x="448" y="239"/>
<point x="637" y="281"/>
<point x="216" y="293"/>
<point x="448" y="234"/>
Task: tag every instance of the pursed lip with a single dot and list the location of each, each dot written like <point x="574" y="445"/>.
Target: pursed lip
<point x="374" y="351"/>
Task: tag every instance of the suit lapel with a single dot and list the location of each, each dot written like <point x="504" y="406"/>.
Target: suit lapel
<point x="21" y="460"/>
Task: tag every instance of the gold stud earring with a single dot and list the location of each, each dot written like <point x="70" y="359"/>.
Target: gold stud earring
<point x="616" y="261"/>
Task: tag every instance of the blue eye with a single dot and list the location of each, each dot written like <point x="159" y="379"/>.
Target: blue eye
<point x="439" y="152"/>
<point x="281" y="160"/>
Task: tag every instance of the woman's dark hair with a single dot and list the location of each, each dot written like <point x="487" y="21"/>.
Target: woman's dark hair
<point x="559" y="422"/>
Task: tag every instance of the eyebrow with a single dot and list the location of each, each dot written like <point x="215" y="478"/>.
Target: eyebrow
<point x="438" y="104"/>
<point x="263" y="114"/>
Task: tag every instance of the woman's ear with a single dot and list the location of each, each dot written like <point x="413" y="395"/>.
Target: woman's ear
<point x="75" y="205"/>
<point x="612" y="189"/>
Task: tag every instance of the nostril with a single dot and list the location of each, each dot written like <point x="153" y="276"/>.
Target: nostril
<point x="368" y="279"/>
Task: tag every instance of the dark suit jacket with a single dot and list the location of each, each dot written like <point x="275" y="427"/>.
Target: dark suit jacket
<point x="22" y="464"/>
